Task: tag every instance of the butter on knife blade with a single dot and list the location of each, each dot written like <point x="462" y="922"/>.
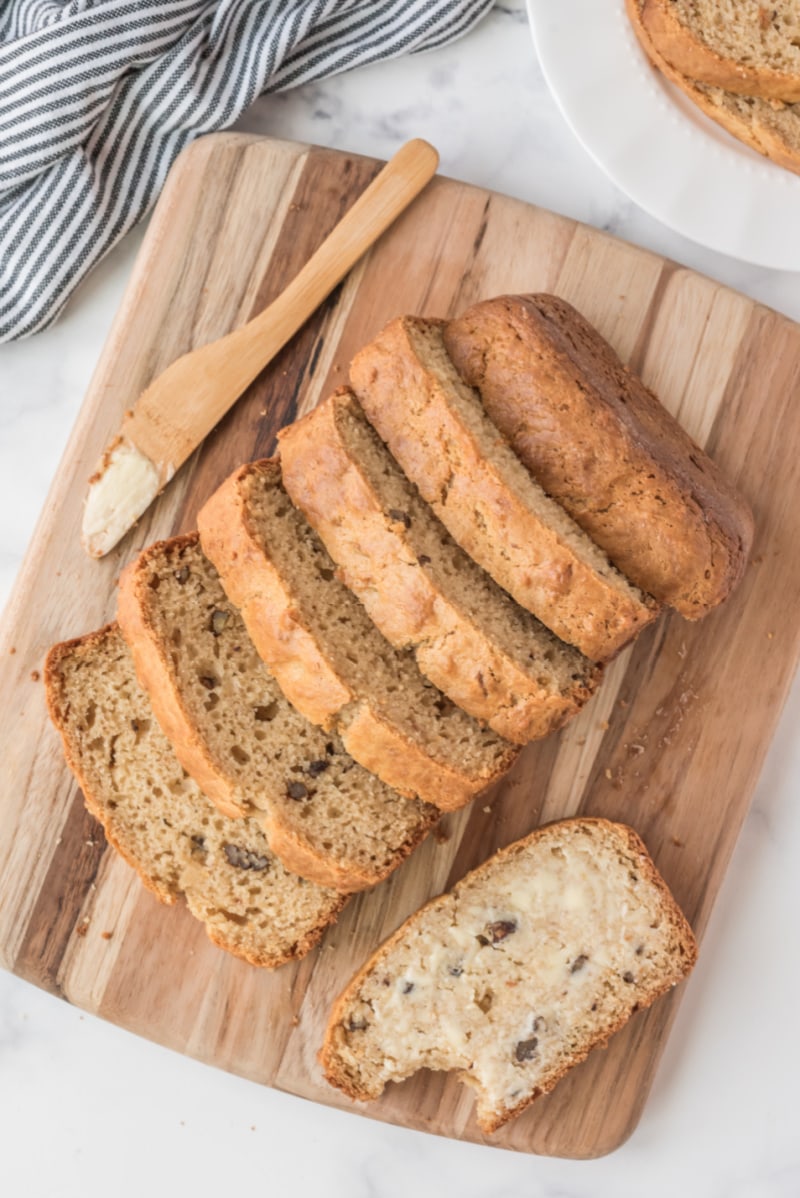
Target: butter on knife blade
<point x="120" y="491"/>
<point x="186" y="401"/>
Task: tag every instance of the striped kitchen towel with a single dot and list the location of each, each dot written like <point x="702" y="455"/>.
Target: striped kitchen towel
<point x="98" y="97"/>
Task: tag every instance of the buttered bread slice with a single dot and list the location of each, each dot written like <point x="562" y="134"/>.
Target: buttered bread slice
<point x="490" y="656"/>
<point x="329" y="659"/>
<point x="326" y="817"/>
<point x="438" y="432"/>
<point x="512" y="978"/>
<point x="160" y="822"/>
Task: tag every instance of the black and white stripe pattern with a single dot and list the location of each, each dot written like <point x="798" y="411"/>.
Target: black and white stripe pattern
<point x="98" y="97"/>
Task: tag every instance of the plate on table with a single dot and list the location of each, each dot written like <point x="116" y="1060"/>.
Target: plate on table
<point x="655" y="144"/>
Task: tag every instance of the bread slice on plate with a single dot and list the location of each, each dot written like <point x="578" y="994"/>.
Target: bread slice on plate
<point x="531" y="961"/>
<point x="325" y="816"/>
<point x="491" y="657"/>
<point x="329" y="659"/>
<point x="744" y="46"/>
<point x="767" y="126"/>
<point x="438" y="432"/>
<point x="603" y="446"/>
<point x="159" y="820"/>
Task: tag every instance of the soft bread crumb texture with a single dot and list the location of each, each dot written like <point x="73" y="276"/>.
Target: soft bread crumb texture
<point x="490" y="656"/>
<point x="532" y="960"/>
<point x="747" y="46"/>
<point x="326" y="816"/>
<point x="330" y="660"/>
<point x="603" y="446"/>
<point x="769" y="126"/>
<point x="438" y="432"/>
<point x="158" y="819"/>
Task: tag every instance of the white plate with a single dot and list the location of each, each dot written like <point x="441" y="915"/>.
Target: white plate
<point x="655" y="144"/>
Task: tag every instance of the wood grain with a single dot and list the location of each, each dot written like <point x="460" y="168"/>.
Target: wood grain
<point x="673" y="743"/>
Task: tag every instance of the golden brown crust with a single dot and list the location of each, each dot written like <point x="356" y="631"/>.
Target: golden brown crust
<point x="402" y="597"/>
<point x="327" y="1055"/>
<point x="87" y="645"/>
<point x="265" y="601"/>
<point x="297" y="661"/>
<point x="156" y="678"/>
<point x="602" y="445"/>
<point x="477" y="500"/>
<point x="300" y="858"/>
<point x="746" y="117"/>
<point x="687" y="53"/>
<point x="53" y="693"/>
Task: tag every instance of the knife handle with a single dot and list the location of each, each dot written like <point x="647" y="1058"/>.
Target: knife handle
<point x="215" y="375"/>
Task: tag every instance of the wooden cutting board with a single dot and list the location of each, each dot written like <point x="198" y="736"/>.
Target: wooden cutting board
<point x="673" y="743"/>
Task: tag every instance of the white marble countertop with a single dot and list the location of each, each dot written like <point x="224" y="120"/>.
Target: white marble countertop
<point x="86" y="1108"/>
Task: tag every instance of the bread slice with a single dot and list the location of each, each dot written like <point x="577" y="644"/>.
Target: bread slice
<point x="159" y="820"/>
<point x="532" y="960"/>
<point x="329" y="659"/>
<point x="492" y="658"/>
<point x="766" y="126"/>
<point x="328" y="819"/>
<point x="439" y="434"/>
<point x="745" y="46"/>
<point x="602" y="445"/>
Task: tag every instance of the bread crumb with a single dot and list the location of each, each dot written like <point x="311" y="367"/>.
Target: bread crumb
<point x="106" y="935"/>
<point x="35" y="675"/>
<point x="770" y="635"/>
<point x="604" y="724"/>
<point x="12" y="651"/>
<point x="607" y="773"/>
<point x="623" y="703"/>
<point x="441" y="835"/>
<point x="83" y="927"/>
<point x="487" y="810"/>
<point x="295" y="1020"/>
<point x="678" y="843"/>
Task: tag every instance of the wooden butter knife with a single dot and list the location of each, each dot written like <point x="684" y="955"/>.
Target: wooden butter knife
<point x="180" y="407"/>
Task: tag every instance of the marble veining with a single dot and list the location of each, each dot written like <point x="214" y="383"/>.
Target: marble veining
<point x="87" y="1109"/>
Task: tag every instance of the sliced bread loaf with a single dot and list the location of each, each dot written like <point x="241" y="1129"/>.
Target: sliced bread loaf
<point x="602" y="445"/>
<point x="531" y="961"/>
<point x="329" y="659"/>
<point x="744" y="46"/>
<point x="492" y="658"/>
<point x="232" y="729"/>
<point x="439" y="434"/>
<point x="161" y="823"/>
<point x="769" y="127"/>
